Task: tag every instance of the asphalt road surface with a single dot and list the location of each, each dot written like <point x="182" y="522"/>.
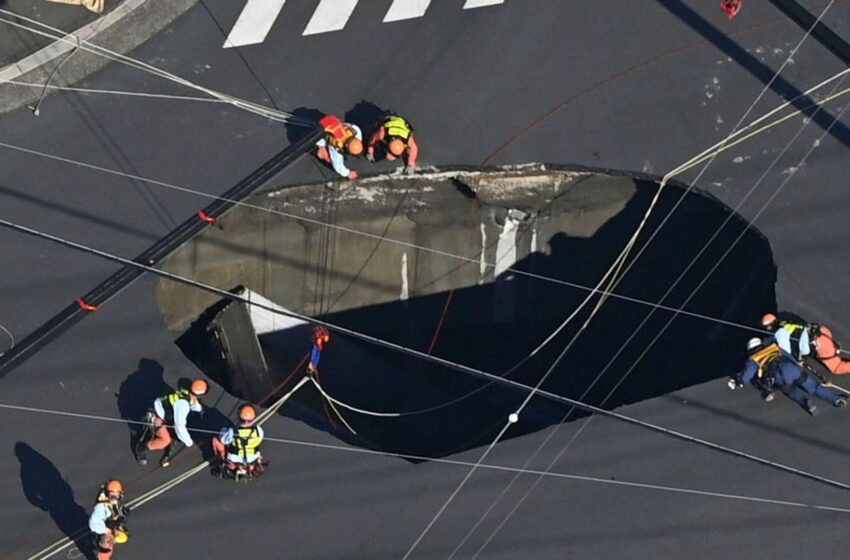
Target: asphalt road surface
<point x="642" y="86"/>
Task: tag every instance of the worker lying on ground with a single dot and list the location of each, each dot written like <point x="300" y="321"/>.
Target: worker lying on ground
<point x="801" y="339"/>
<point x="340" y="138"/>
<point x="238" y="449"/>
<point x="171" y="410"/>
<point x="773" y="367"/>
<point x="394" y="137"/>
<point x="107" y="522"/>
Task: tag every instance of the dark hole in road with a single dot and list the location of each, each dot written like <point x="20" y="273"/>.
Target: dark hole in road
<point x="490" y="325"/>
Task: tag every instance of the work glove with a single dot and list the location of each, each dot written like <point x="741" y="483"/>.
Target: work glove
<point x="408" y="169"/>
<point x="734" y="384"/>
<point x="370" y="157"/>
<point x="352" y="175"/>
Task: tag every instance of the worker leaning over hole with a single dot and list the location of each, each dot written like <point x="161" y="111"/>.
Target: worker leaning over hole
<point x="804" y="340"/>
<point x="339" y="139"/>
<point x="394" y="139"/>
<point x="769" y="366"/>
<point x="238" y="449"/>
<point x="169" y="411"/>
<point x="107" y="522"/>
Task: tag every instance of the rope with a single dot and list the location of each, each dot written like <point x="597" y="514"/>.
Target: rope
<point x="113" y="92"/>
<point x="139" y="501"/>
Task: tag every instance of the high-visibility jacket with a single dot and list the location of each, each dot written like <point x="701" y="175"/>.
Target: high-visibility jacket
<point x="397" y="127"/>
<point x="336" y="133"/>
<point x="766" y="358"/>
<point x="795" y="330"/>
<point x="168" y="401"/>
<point x="246" y="442"/>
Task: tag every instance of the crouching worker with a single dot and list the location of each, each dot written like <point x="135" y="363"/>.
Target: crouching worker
<point x="107" y="522"/>
<point x="238" y="449"/>
<point x="171" y="410"/>
<point x="769" y="366"/>
<point x="340" y="139"/>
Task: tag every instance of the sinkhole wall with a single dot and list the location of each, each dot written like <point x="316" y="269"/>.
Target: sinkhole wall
<point x="529" y="238"/>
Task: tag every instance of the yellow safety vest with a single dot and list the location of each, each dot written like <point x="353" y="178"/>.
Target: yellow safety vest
<point x="169" y="400"/>
<point x="397" y="127"/>
<point x="793" y="328"/>
<point x="765" y="356"/>
<point x="246" y="441"/>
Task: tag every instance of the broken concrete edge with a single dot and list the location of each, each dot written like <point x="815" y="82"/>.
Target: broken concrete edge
<point x="121" y="30"/>
<point x="465" y="171"/>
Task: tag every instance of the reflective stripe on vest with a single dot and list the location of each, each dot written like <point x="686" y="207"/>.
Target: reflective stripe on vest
<point x="793" y="328"/>
<point x="246" y="442"/>
<point x="169" y="400"/>
<point x="765" y="356"/>
<point x="336" y="133"/>
<point x="397" y="127"/>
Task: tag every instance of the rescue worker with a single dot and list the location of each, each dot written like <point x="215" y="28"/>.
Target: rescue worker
<point x="172" y="410"/>
<point x="801" y="338"/>
<point x="340" y="138"/>
<point x="395" y="138"/>
<point x="320" y="337"/>
<point x="240" y="447"/>
<point x="107" y="520"/>
<point x="772" y="366"/>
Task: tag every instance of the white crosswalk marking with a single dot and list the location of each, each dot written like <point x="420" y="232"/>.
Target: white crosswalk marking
<point x="330" y="15"/>
<point x="406" y="9"/>
<point x="481" y="3"/>
<point x="254" y="23"/>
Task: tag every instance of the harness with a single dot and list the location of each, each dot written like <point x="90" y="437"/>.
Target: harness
<point x="397" y="127"/>
<point x="767" y="358"/>
<point x="336" y="133"/>
<point x="792" y="329"/>
<point x="246" y="441"/>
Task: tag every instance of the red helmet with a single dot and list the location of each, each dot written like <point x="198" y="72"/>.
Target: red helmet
<point x="396" y="147"/>
<point x="114" y="488"/>
<point x="321" y="335"/>
<point x="199" y="387"/>
<point x="247" y="413"/>
<point x="768" y="320"/>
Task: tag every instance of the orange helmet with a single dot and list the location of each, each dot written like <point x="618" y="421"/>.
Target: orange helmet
<point x="199" y="387"/>
<point x="247" y="413"/>
<point x="396" y="147"/>
<point x="114" y="488"/>
<point x="354" y="146"/>
<point x="825" y="331"/>
<point x="768" y="320"/>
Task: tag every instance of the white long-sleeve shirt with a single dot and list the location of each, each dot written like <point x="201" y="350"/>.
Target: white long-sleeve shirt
<point x="226" y="437"/>
<point x="337" y="157"/>
<point x="99" y="516"/>
<point x="182" y="408"/>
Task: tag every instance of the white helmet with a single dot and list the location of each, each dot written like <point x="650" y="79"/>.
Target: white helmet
<point x="754" y="342"/>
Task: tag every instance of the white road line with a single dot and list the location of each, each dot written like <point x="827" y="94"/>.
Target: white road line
<point x="470" y="4"/>
<point x="330" y="15"/>
<point x="406" y="9"/>
<point x="254" y="23"/>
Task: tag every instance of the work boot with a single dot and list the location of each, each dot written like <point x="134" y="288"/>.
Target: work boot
<point x="140" y="454"/>
<point x="840" y="402"/>
<point x="768" y="396"/>
<point x="811" y="409"/>
<point x="166" y="457"/>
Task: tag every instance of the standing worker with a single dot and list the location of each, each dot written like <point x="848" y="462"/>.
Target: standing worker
<point x="107" y="520"/>
<point x="320" y="337"/>
<point x="772" y="366"/>
<point x="339" y="138"/>
<point x="800" y="338"/>
<point x="239" y="448"/>
<point x="171" y="410"/>
<point x="395" y="137"/>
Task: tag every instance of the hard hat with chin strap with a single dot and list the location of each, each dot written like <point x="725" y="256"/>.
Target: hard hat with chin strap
<point x="768" y="319"/>
<point x="754" y="342"/>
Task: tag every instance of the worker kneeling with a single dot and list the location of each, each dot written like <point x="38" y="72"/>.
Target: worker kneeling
<point x="768" y="366"/>
<point x="170" y="412"/>
<point x="238" y="449"/>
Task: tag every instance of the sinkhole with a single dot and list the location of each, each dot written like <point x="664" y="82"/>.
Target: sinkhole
<point x="528" y="236"/>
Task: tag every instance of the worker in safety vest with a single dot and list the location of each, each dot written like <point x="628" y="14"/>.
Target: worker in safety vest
<point x="395" y="138"/>
<point x="107" y="520"/>
<point x="772" y="366"/>
<point x="801" y="338"/>
<point x="171" y="411"/>
<point x="340" y="138"/>
<point x="240" y="446"/>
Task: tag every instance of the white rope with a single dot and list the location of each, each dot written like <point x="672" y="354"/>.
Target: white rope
<point x="353" y="408"/>
<point x="113" y="92"/>
<point x="9" y="334"/>
<point x="82" y="44"/>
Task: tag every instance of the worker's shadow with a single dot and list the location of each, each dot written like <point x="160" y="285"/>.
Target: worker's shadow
<point x="137" y="393"/>
<point x="298" y="128"/>
<point x="45" y="488"/>
<point x="366" y="115"/>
